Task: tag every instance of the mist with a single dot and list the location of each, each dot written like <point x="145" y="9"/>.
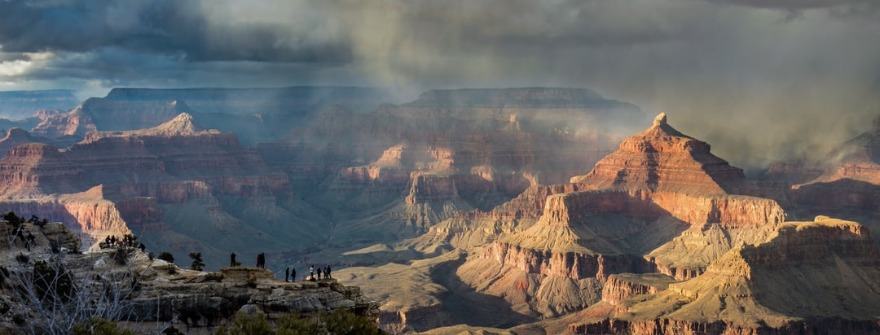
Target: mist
<point x="759" y="80"/>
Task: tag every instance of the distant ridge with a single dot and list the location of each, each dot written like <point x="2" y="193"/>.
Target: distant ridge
<point x="16" y="105"/>
<point x="550" y="97"/>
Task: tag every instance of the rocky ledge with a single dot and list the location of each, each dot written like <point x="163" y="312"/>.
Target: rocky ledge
<point x="124" y="283"/>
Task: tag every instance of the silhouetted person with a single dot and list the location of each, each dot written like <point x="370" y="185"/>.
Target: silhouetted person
<point x="232" y="259"/>
<point x="293" y="274"/>
<point x="287" y="274"/>
<point x="327" y="272"/>
<point x="142" y="247"/>
<point x="319" y="273"/>
<point x="311" y="271"/>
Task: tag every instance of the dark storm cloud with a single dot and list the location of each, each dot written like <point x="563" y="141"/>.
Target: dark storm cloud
<point x="751" y="77"/>
<point x="160" y="26"/>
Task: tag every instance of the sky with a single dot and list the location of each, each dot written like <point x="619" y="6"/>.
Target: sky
<point x="759" y="79"/>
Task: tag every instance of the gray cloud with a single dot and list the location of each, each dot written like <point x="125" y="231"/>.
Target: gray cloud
<point x="159" y="26"/>
<point x="803" y="4"/>
<point x="759" y="80"/>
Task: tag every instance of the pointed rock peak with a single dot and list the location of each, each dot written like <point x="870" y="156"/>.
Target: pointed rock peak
<point x="662" y="158"/>
<point x="660" y="128"/>
<point x="182" y="119"/>
<point x="660" y="119"/>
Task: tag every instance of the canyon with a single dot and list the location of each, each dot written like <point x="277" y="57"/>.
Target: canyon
<point x="521" y="211"/>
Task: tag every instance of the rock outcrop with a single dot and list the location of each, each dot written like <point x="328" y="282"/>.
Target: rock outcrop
<point x="74" y="123"/>
<point x="663" y="159"/>
<point x="152" y="292"/>
<point x="197" y="186"/>
<point x="639" y="210"/>
<point x="817" y="276"/>
<point x="623" y="286"/>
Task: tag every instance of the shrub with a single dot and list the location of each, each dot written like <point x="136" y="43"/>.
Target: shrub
<point x="166" y="256"/>
<point x="52" y="283"/>
<point x="19" y="319"/>
<point x="197" y="263"/>
<point x="120" y="256"/>
<point x="22" y="258"/>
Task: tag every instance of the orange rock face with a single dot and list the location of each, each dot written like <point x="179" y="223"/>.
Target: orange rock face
<point x="663" y="159"/>
<point x="73" y="123"/>
<point x="176" y="169"/>
<point x="807" y="276"/>
<point x="657" y="186"/>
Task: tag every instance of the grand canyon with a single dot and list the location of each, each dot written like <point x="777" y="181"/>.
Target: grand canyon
<point x="527" y="211"/>
<point x="463" y="167"/>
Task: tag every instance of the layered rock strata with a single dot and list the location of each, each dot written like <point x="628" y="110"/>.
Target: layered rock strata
<point x="168" y="180"/>
<point x="638" y="211"/>
<point x="807" y="276"/>
<point x="156" y="292"/>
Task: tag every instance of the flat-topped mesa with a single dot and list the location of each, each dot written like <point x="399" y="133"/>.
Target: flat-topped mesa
<point x="661" y="158"/>
<point x="118" y="115"/>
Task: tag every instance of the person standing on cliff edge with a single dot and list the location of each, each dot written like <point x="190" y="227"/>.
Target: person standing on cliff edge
<point x="261" y="260"/>
<point x="232" y="259"/>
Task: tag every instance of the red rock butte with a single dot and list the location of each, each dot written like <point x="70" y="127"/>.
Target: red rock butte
<point x="661" y="158"/>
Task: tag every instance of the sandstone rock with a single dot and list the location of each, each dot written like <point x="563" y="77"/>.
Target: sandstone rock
<point x="73" y="123"/>
<point x="177" y="173"/>
<point x="663" y="159"/>
<point x="807" y="275"/>
<point x="623" y="286"/>
<point x="601" y="226"/>
<point x="159" y="292"/>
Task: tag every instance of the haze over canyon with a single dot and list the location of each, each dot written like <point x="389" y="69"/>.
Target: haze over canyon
<point x="465" y="167"/>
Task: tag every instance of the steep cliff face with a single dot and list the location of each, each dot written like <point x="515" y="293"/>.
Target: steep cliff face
<point x="599" y="227"/>
<point x="623" y="286"/>
<point x="34" y="169"/>
<point x="152" y="292"/>
<point x="806" y="275"/>
<point x="189" y="178"/>
<point x="88" y="214"/>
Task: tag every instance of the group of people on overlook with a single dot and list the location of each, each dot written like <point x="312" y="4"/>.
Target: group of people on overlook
<point x="289" y="273"/>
